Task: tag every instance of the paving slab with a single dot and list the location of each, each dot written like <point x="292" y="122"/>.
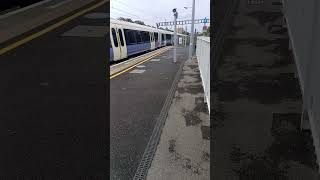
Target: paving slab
<point x="184" y="148"/>
<point x="257" y="103"/>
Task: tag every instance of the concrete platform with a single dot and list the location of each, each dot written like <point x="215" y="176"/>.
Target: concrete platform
<point x="257" y="103"/>
<point x="23" y="20"/>
<point x="53" y="106"/>
<point x="184" y="148"/>
<point x="136" y="100"/>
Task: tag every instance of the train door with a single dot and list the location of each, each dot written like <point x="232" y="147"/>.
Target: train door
<point x="160" y="39"/>
<point x="118" y="43"/>
<point x="152" y="41"/>
<point x="164" y="43"/>
<point x="122" y="43"/>
<point x="115" y="44"/>
<point x="110" y="52"/>
<point x="172" y="39"/>
<point x="156" y="39"/>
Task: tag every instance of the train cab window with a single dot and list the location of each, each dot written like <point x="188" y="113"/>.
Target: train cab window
<point x="163" y="37"/>
<point x="114" y="37"/>
<point x="121" y="37"/>
<point x="139" y="37"/>
<point x="130" y="36"/>
<point x="156" y="37"/>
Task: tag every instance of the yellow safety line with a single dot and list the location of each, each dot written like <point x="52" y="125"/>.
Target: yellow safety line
<point x="121" y="67"/>
<point x="117" y="74"/>
<point x="50" y="28"/>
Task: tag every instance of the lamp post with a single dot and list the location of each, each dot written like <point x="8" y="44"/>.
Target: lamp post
<point x="175" y="14"/>
<point x="192" y="32"/>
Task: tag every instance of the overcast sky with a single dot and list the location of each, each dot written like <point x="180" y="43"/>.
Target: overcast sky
<point x="153" y="11"/>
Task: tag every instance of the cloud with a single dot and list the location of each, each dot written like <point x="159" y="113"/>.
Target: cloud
<point x="152" y="12"/>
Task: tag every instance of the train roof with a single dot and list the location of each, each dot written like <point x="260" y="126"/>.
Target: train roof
<point x="132" y="25"/>
<point x="136" y="26"/>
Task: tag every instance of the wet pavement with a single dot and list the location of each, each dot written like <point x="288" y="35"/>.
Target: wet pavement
<point x="184" y="148"/>
<point x="136" y="100"/>
<point x="53" y="108"/>
<point x="257" y="104"/>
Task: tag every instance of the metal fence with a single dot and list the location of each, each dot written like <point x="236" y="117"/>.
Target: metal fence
<point x="203" y="56"/>
<point x="303" y="22"/>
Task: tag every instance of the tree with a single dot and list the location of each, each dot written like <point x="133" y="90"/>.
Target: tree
<point x="184" y="32"/>
<point x="139" y="22"/>
<point x="205" y="33"/>
<point x="125" y="19"/>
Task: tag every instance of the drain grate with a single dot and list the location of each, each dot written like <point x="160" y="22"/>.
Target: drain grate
<point x="149" y="152"/>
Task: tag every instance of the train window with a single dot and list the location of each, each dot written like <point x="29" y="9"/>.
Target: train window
<point x="114" y="36"/>
<point x="138" y="35"/>
<point x="163" y="37"/>
<point x="142" y="36"/>
<point x="130" y="36"/>
<point x="121" y="37"/>
<point x="156" y="37"/>
<point x="145" y="36"/>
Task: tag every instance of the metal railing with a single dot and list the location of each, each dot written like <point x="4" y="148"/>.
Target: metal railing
<point x="203" y="56"/>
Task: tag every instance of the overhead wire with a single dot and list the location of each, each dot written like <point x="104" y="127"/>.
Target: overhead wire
<point x="141" y="10"/>
<point x="138" y="10"/>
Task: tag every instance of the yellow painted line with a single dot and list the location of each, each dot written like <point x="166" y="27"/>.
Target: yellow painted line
<point x="147" y="59"/>
<point x="120" y="68"/>
<point x="50" y="28"/>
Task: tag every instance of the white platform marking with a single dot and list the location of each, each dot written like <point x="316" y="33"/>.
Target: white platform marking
<point x="58" y="4"/>
<point x="24" y="9"/>
<point x="87" y="31"/>
<point x="155" y="60"/>
<point x="141" y="66"/>
<point x="138" y="71"/>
